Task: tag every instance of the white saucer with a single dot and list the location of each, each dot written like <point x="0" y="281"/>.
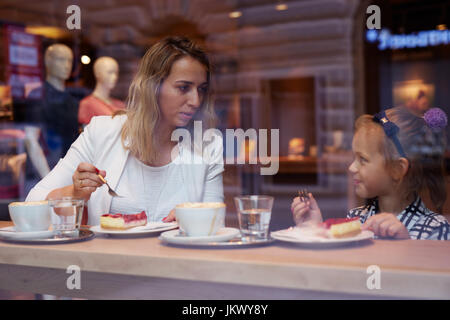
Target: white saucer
<point x="149" y="228"/>
<point x="308" y="236"/>
<point x="11" y="233"/>
<point x="224" y="234"/>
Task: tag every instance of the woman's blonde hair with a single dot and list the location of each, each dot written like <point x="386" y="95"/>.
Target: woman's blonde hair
<point x="424" y="149"/>
<point x="143" y="111"/>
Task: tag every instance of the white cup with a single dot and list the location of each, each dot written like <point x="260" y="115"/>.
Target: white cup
<point x="197" y="219"/>
<point x="30" y="216"/>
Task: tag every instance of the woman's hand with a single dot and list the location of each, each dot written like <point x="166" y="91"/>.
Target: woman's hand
<point x="171" y="217"/>
<point x="86" y="181"/>
<point x="307" y="211"/>
<point x="386" y="225"/>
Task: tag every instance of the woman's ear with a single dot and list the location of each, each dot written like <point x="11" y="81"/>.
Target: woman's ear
<point x="400" y="169"/>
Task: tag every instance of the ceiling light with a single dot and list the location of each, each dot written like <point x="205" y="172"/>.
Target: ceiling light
<point x="281" y="7"/>
<point x="235" y="14"/>
<point x="85" y="59"/>
<point x="48" y="32"/>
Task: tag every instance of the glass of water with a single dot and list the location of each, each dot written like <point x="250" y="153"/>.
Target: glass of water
<point x="254" y="216"/>
<point x="66" y="216"/>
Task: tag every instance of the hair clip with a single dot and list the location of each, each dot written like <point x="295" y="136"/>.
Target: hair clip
<point x="391" y="130"/>
<point x="436" y="119"/>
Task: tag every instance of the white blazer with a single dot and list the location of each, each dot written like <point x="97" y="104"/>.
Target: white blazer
<point x="100" y="144"/>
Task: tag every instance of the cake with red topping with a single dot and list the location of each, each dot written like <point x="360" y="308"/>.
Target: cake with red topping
<point x="342" y="227"/>
<point x="121" y="221"/>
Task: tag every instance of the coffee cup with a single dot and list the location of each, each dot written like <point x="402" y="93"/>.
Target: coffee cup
<point x="30" y="216"/>
<point x="197" y="219"/>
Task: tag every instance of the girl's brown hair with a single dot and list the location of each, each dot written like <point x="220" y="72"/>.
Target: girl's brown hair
<point x="143" y="112"/>
<point x="424" y="150"/>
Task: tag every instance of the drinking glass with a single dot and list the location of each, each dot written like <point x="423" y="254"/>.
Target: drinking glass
<point x="66" y="216"/>
<point x="254" y="214"/>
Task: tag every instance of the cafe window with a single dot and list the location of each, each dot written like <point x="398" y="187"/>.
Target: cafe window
<point x="307" y="70"/>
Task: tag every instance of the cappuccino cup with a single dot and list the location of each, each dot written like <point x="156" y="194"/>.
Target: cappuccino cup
<point x="197" y="219"/>
<point x="30" y="216"/>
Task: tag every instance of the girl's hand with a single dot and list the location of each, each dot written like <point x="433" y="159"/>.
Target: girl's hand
<point x="85" y="180"/>
<point x="306" y="211"/>
<point x="171" y="217"/>
<point x="386" y="225"/>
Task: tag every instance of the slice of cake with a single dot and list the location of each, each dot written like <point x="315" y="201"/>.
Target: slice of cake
<point x="342" y="227"/>
<point x="121" y="221"/>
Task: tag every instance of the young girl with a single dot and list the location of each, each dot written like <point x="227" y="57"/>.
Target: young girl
<point x="397" y="155"/>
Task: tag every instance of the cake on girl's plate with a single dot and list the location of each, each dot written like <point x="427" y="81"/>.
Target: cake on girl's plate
<point x="120" y="221"/>
<point x="341" y="228"/>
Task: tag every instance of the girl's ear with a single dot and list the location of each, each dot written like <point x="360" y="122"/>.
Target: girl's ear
<point x="400" y="169"/>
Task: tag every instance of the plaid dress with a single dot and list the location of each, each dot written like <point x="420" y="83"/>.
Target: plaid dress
<point x="421" y="222"/>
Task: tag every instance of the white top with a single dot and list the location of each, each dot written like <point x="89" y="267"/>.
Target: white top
<point x="156" y="190"/>
<point x="100" y="144"/>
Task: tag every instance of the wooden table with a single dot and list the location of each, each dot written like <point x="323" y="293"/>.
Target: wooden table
<point x="144" y="268"/>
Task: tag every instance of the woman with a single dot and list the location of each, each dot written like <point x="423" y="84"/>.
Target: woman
<point x="134" y="150"/>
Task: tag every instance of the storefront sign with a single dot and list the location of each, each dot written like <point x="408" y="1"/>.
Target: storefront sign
<point x="421" y="39"/>
<point x="24" y="61"/>
<point x="23" y="55"/>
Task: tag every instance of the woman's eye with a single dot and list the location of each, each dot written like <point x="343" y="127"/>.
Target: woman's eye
<point x="183" y="88"/>
<point x="203" y="90"/>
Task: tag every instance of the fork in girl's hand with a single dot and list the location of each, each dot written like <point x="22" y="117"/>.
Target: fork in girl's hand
<point x="303" y="195"/>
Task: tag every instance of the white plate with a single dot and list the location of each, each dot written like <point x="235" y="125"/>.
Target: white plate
<point x="11" y="233"/>
<point x="174" y="237"/>
<point x="308" y="236"/>
<point x="149" y="228"/>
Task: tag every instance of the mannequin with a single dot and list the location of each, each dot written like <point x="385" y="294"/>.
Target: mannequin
<point x="58" y="65"/>
<point x="106" y="71"/>
<point x="57" y="112"/>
